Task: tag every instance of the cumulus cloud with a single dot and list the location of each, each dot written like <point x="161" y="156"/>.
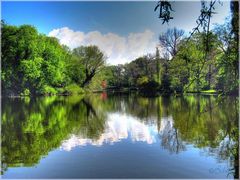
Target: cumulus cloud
<point x="118" y="49"/>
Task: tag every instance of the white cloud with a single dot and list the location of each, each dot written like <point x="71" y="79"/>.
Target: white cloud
<point x="118" y="49"/>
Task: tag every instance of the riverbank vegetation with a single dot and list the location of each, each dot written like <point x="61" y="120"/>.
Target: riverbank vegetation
<point x="185" y="66"/>
<point x="35" y="64"/>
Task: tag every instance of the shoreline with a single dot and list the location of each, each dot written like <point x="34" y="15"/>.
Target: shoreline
<point x="126" y="91"/>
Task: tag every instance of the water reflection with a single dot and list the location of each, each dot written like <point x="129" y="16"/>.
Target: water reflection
<point x="118" y="127"/>
<point x="31" y="128"/>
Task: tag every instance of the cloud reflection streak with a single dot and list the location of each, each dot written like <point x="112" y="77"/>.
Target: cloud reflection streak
<point x="119" y="127"/>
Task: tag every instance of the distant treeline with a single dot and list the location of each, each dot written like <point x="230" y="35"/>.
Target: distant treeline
<point x="205" y="62"/>
<point x="33" y="64"/>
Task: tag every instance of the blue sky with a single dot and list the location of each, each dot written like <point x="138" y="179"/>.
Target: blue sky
<point x="121" y="22"/>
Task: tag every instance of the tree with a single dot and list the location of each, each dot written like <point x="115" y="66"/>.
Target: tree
<point x="32" y="74"/>
<point x="31" y="61"/>
<point x="234" y="5"/>
<point x="92" y="59"/>
<point x="226" y="83"/>
<point x="75" y="69"/>
<point x="165" y="11"/>
<point x="228" y="69"/>
<point x="158" y="65"/>
<point x="170" y="40"/>
<point x="18" y="43"/>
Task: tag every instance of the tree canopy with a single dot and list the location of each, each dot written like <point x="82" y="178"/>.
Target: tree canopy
<point x="33" y="63"/>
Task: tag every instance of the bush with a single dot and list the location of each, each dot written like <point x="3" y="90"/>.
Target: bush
<point x="73" y="89"/>
<point x="25" y="92"/>
<point x="60" y="90"/>
<point x="150" y="87"/>
<point x="47" y="90"/>
<point x="142" y="80"/>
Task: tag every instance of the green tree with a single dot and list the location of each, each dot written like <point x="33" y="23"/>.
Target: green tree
<point x="18" y="43"/>
<point x="92" y="59"/>
<point x="228" y="74"/>
<point x="31" y="61"/>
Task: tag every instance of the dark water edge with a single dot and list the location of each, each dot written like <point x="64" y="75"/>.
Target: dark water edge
<point x="58" y="118"/>
<point x="141" y="92"/>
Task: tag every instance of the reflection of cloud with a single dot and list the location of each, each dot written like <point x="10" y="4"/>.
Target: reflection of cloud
<point x="118" y="127"/>
<point x="140" y="132"/>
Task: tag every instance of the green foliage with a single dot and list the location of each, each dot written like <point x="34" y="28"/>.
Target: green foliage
<point x="92" y="59"/>
<point x="26" y="92"/>
<point x="40" y="64"/>
<point x="206" y="61"/>
<point x="18" y="43"/>
<point x="47" y="90"/>
<point x="54" y="66"/>
<point x="228" y="61"/>
<point x="74" y="89"/>
<point x="31" y="60"/>
<point x="147" y="87"/>
<point x="75" y="70"/>
<point x="142" y="80"/>
<point x="32" y="74"/>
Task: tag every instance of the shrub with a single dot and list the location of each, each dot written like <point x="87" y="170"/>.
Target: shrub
<point x="74" y="89"/>
<point x="60" y="90"/>
<point x="47" y="90"/>
<point x="25" y="92"/>
<point x="142" y="80"/>
<point x="147" y="87"/>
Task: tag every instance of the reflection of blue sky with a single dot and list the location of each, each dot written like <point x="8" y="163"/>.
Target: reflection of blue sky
<point x="119" y="127"/>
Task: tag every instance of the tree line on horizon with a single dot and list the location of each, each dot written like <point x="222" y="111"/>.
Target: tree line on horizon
<point x="185" y="67"/>
<point x="35" y="64"/>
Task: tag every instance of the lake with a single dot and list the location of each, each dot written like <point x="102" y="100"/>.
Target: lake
<point x="120" y="136"/>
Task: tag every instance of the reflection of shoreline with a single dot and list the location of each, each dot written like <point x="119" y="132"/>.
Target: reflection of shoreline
<point x="119" y="127"/>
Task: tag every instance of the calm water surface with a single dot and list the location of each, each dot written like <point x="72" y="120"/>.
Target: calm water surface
<point x="119" y="136"/>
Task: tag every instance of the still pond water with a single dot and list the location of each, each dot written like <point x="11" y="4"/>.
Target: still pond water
<point x="119" y="136"/>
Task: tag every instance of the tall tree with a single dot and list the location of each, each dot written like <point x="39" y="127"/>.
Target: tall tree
<point x="170" y="40"/>
<point x="30" y="61"/>
<point x="92" y="59"/>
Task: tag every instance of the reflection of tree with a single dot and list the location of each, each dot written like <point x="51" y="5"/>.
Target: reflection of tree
<point x="206" y="122"/>
<point x="33" y="127"/>
<point x="171" y="139"/>
<point x="93" y="125"/>
<point x="30" y="129"/>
